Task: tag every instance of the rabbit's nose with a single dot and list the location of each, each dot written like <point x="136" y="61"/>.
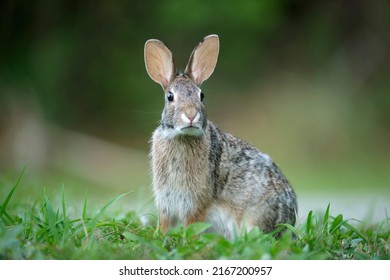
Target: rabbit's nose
<point x="190" y="117"/>
<point x="190" y="113"/>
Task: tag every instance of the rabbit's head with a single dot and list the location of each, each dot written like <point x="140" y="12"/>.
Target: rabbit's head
<point x="184" y="112"/>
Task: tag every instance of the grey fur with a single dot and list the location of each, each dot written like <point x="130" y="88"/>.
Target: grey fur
<point x="201" y="174"/>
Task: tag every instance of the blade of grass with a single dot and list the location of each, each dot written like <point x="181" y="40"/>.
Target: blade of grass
<point x="65" y="223"/>
<point x="336" y="224"/>
<point x="355" y="230"/>
<point x="101" y="211"/>
<point x="308" y="222"/>
<point x="278" y="229"/>
<point x="195" y="229"/>
<point x="326" y="219"/>
<point x="293" y="229"/>
<point x="8" y="198"/>
<point x="84" y="215"/>
<point x="51" y="218"/>
<point x="63" y="202"/>
<point x="9" y="218"/>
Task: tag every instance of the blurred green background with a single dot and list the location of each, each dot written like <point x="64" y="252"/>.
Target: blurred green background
<point x="307" y="82"/>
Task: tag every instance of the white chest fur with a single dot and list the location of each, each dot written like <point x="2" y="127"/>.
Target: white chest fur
<point x="177" y="203"/>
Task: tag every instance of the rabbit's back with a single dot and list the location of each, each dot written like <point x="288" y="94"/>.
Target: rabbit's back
<point x="250" y="183"/>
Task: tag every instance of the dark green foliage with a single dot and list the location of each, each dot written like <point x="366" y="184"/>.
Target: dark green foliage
<point x="87" y="58"/>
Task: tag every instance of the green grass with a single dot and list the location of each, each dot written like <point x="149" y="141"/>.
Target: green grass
<point x="42" y="230"/>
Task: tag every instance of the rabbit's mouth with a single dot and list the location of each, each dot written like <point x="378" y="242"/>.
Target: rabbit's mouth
<point x="191" y="130"/>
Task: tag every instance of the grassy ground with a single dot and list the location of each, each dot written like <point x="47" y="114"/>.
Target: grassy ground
<point x="44" y="229"/>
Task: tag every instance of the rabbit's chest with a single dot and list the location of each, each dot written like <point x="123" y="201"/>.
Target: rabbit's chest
<point x="181" y="177"/>
<point x="180" y="164"/>
<point x="176" y="203"/>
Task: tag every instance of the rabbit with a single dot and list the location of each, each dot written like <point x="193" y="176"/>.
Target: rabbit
<point x="200" y="173"/>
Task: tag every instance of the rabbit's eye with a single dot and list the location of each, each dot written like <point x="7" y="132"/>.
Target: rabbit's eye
<point x="201" y="96"/>
<point x="170" y="96"/>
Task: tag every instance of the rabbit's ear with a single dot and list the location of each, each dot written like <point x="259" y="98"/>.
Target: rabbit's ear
<point x="203" y="59"/>
<point x="159" y="62"/>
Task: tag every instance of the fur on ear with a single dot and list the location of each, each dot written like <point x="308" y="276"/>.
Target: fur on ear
<point x="159" y="62"/>
<point x="203" y="59"/>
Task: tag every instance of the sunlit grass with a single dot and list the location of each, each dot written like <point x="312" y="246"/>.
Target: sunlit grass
<point x="44" y="230"/>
